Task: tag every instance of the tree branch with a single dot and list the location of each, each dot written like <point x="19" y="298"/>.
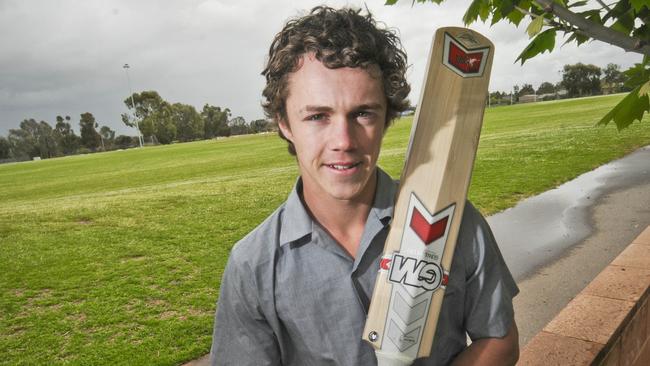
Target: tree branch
<point x="566" y="28"/>
<point x="595" y="30"/>
<point x="601" y="2"/>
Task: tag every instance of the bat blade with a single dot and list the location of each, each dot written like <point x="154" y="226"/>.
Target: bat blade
<point x="417" y="256"/>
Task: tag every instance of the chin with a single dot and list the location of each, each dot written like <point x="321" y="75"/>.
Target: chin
<point x="347" y="194"/>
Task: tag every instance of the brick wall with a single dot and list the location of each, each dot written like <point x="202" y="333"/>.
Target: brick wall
<point x="608" y="323"/>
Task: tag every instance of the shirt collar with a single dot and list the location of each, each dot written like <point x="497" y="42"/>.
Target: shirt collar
<point x="384" y="201"/>
<point x="296" y="222"/>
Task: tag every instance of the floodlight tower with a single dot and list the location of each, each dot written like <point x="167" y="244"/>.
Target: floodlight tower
<point x="128" y="80"/>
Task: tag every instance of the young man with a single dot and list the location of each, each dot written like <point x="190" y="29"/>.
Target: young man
<point x="296" y="290"/>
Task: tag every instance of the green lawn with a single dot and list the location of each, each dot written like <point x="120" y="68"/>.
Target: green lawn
<point x="116" y="258"/>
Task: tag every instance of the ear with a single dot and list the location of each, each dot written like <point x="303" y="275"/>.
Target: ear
<point x="284" y="127"/>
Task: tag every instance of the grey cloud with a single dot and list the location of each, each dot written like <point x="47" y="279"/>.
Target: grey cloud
<point x="66" y="57"/>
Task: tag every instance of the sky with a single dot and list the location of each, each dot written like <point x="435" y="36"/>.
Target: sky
<point x="66" y="57"/>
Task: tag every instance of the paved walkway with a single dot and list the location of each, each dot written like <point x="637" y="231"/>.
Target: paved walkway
<point x="555" y="243"/>
<point x="617" y="218"/>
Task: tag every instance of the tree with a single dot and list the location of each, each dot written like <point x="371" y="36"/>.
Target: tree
<point x="33" y="139"/>
<point x="613" y="78"/>
<point x="108" y="137"/>
<point x="24" y="140"/>
<point x="622" y="23"/>
<point x="5" y="148"/>
<point x="125" y="142"/>
<point x="47" y="144"/>
<point x="189" y="124"/>
<point x="238" y="126"/>
<point x="546" y="88"/>
<point x="515" y="91"/>
<point x="147" y="103"/>
<point x="164" y="127"/>
<point x="581" y="80"/>
<point x="89" y="136"/>
<point x="68" y="141"/>
<point x="495" y="98"/>
<point x="215" y="121"/>
<point x="526" y="89"/>
<point x="259" y="125"/>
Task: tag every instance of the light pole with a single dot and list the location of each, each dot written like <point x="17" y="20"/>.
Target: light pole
<point x="128" y="80"/>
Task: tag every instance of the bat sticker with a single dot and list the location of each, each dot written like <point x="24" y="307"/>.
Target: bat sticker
<point x="463" y="60"/>
<point x="417" y="264"/>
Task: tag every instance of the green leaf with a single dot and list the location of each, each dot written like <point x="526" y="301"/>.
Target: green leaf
<point x="472" y="12"/>
<point x="637" y="75"/>
<point x="639" y="4"/>
<point x="537" y="6"/>
<point x="631" y="108"/>
<point x="544" y="41"/>
<point x="496" y="17"/>
<point x="505" y="7"/>
<point x="619" y="27"/>
<point x="645" y="89"/>
<point x="579" y="38"/>
<point x="390" y="2"/>
<point x="515" y="17"/>
<point x="525" y="4"/>
<point x="484" y="12"/>
<point x="535" y="26"/>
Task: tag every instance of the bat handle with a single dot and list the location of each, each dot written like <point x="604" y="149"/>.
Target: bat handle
<point x="392" y="359"/>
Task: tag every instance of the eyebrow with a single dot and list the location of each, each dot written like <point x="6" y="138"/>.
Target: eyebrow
<point x="318" y="108"/>
<point x="371" y="106"/>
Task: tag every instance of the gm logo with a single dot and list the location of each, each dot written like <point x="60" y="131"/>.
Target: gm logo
<point x="416" y="273"/>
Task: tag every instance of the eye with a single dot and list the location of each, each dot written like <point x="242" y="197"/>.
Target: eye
<point x="364" y="116"/>
<point x="316" y="117"/>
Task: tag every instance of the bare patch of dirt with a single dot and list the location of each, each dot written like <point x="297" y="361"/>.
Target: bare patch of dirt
<point x="156" y="302"/>
<point x="84" y="220"/>
<point x="78" y="317"/>
<point x="168" y="315"/>
<point x="133" y="258"/>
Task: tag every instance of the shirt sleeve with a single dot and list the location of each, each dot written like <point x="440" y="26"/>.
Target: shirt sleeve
<point x="490" y="287"/>
<point x="242" y="335"/>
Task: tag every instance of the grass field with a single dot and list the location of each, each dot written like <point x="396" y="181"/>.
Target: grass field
<point x="116" y="258"/>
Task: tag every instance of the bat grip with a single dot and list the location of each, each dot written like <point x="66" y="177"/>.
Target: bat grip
<point x="392" y="359"/>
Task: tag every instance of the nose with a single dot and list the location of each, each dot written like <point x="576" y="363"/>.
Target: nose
<point x="342" y="136"/>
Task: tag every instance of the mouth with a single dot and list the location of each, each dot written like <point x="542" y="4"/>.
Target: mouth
<point x="343" y="166"/>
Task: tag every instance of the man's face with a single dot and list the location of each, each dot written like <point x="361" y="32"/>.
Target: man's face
<point x="336" y="120"/>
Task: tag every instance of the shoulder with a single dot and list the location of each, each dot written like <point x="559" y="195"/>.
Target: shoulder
<point x="474" y="227"/>
<point x="258" y="248"/>
<point x="476" y="243"/>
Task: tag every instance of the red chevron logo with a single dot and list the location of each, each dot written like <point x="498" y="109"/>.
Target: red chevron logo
<point x="428" y="233"/>
<point x="465" y="61"/>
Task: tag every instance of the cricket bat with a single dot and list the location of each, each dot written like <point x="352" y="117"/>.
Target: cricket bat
<point x="417" y="256"/>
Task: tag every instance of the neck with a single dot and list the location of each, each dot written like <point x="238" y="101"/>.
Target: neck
<point x="344" y="220"/>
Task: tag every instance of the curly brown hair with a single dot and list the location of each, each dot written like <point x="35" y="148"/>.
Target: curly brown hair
<point x="338" y="38"/>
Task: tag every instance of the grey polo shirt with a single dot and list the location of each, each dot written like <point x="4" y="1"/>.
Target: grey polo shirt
<point x="290" y="295"/>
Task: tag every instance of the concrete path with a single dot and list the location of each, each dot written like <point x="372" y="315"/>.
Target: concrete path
<point x="557" y="242"/>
